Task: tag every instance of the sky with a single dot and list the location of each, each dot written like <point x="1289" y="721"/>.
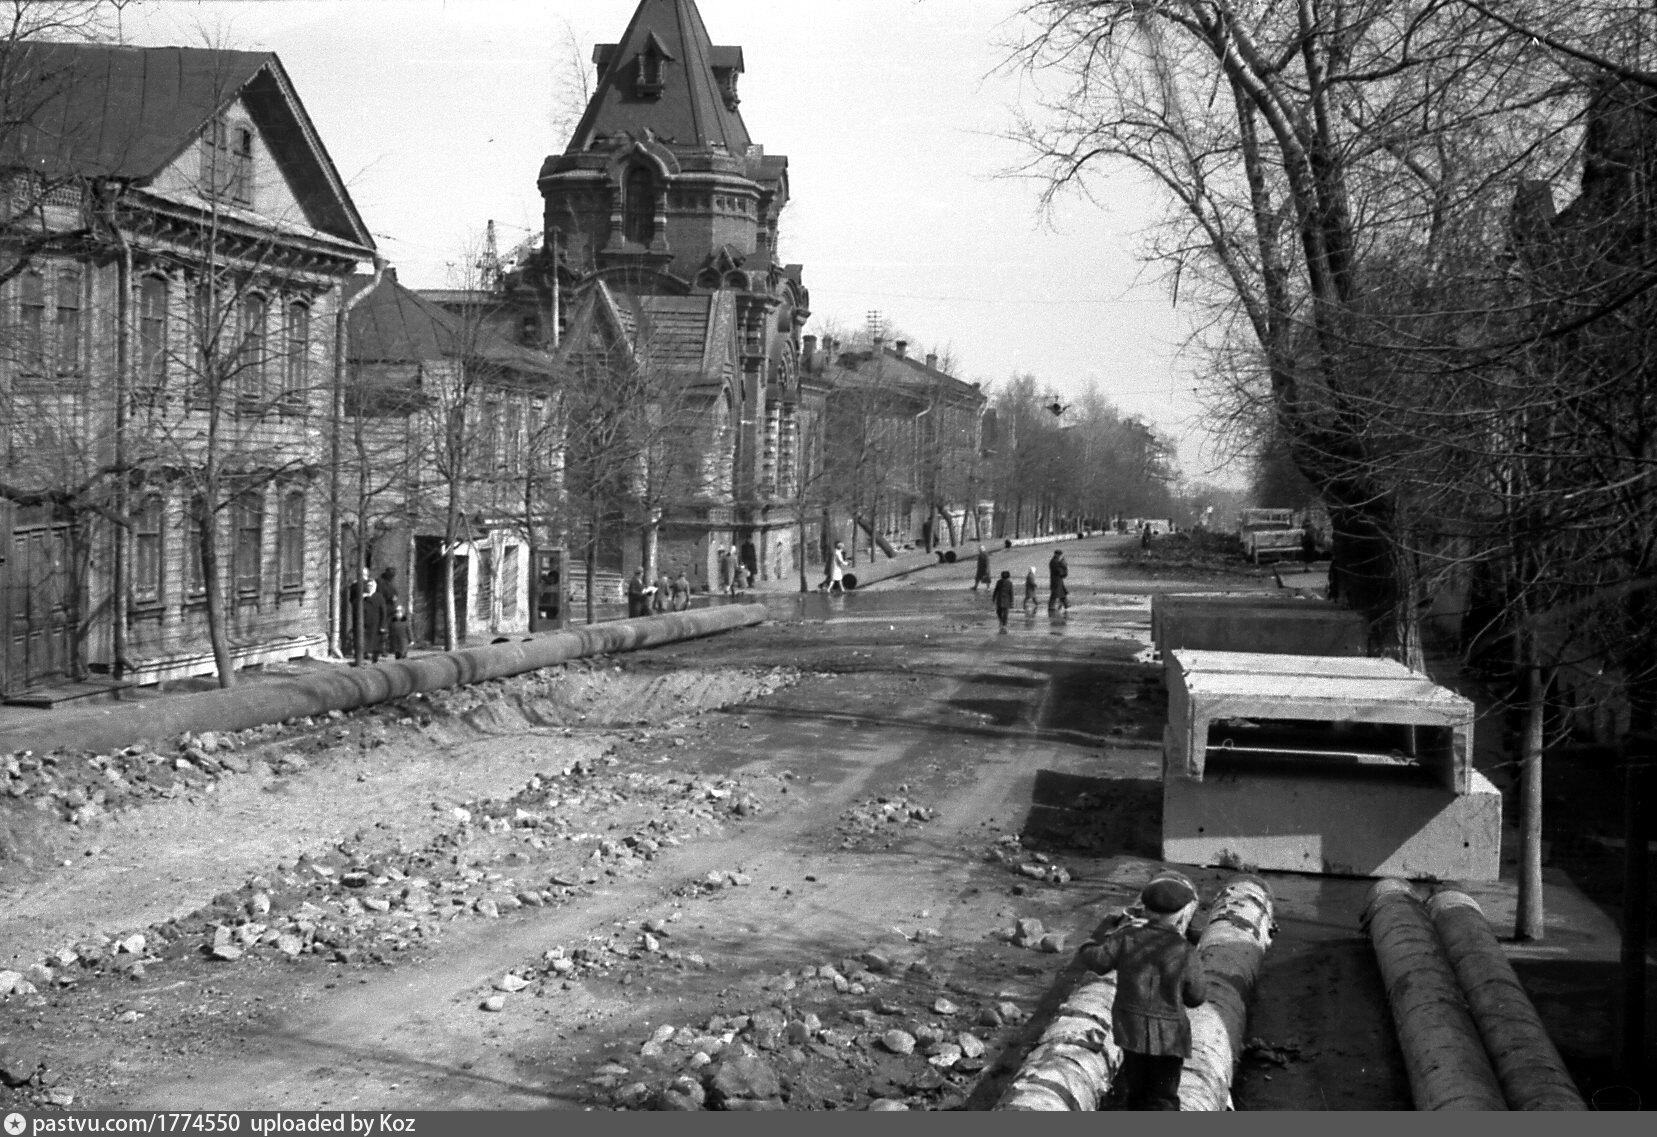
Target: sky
<point x="892" y="113"/>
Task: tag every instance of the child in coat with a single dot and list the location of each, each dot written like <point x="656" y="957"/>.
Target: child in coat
<point x="1003" y="596"/>
<point x="1159" y="975"/>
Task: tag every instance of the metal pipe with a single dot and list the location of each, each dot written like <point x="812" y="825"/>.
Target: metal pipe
<point x="1232" y="949"/>
<point x="1443" y="1053"/>
<point x="1531" y="1073"/>
<point x="346" y="688"/>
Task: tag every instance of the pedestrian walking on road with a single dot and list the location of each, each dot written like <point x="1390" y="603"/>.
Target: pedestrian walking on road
<point x="1030" y="592"/>
<point x="982" y="575"/>
<point x="1058" y="595"/>
<point x="1159" y="976"/>
<point x="836" y="581"/>
<point x="1003" y="596"/>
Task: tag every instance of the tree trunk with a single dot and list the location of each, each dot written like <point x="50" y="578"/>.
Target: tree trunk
<point x="799" y="552"/>
<point x="222" y="660"/>
<point x="649" y="549"/>
<point x="1529" y="921"/>
<point x="591" y="560"/>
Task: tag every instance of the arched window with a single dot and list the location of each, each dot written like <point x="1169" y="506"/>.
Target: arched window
<point x="68" y="320"/>
<point x="147" y="551"/>
<point x="296" y="378"/>
<point x="32" y="311"/>
<point x="152" y="334"/>
<point x="250" y="363"/>
<point x="639" y="206"/>
<point x="290" y="542"/>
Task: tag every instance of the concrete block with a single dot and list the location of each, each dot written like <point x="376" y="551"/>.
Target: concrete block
<point x="1381" y="824"/>
<point x="1258" y="622"/>
<point x="1314" y="712"/>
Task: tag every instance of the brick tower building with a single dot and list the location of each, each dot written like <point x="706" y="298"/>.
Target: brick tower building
<point x="661" y="222"/>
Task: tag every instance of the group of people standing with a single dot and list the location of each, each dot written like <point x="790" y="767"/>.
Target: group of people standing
<point x="665" y="594"/>
<point x="734" y="574"/>
<point x="384" y="623"/>
<point x="1001" y="592"/>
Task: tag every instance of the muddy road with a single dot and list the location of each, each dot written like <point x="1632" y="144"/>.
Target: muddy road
<point x="792" y="854"/>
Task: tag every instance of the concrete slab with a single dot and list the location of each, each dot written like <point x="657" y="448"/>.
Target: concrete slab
<point x="1278" y="623"/>
<point x="1315" y="710"/>
<point x="1290" y="821"/>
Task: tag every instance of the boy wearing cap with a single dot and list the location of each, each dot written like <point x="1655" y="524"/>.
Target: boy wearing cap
<point x="1159" y="976"/>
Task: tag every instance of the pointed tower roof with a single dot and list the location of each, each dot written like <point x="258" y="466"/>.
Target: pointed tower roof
<point x="667" y="77"/>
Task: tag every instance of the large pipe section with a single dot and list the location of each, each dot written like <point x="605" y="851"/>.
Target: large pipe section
<point x="1531" y="1073"/>
<point x="1232" y="949"/>
<point x="346" y="688"/>
<point x="1443" y="1054"/>
<point x="1076" y="1059"/>
<point x="1074" y="1063"/>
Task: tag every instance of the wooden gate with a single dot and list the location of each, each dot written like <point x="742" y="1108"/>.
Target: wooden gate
<point x="37" y="602"/>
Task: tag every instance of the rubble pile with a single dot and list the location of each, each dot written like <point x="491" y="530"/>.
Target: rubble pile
<point x="881" y="822"/>
<point x="845" y="1034"/>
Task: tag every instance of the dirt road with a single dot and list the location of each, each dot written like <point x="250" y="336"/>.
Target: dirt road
<point x="806" y="842"/>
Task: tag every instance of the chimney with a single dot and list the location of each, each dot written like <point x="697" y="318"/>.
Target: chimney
<point x="808" y="352"/>
<point x="932" y="360"/>
<point x="903" y="348"/>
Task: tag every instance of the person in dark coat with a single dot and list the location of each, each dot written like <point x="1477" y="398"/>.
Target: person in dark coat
<point x="1159" y="976"/>
<point x="638" y="595"/>
<point x="373" y="621"/>
<point x="681" y="592"/>
<point x="982" y="575"/>
<point x="1003" y="596"/>
<point x="1058" y="596"/>
<point x="658" y="598"/>
<point x="389" y="596"/>
<point x="397" y="632"/>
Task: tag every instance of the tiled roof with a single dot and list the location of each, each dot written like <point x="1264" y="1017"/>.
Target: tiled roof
<point x="690" y="110"/>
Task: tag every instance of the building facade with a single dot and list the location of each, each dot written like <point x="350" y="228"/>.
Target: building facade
<point x="903" y="458"/>
<point x="661" y="221"/>
<point x="179" y="238"/>
<point x="439" y="401"/>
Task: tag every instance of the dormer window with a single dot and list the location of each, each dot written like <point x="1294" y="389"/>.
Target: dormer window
<point x="649" y="81"/>
<point x="647" y="76"/>
<point x="227" y="161"/>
